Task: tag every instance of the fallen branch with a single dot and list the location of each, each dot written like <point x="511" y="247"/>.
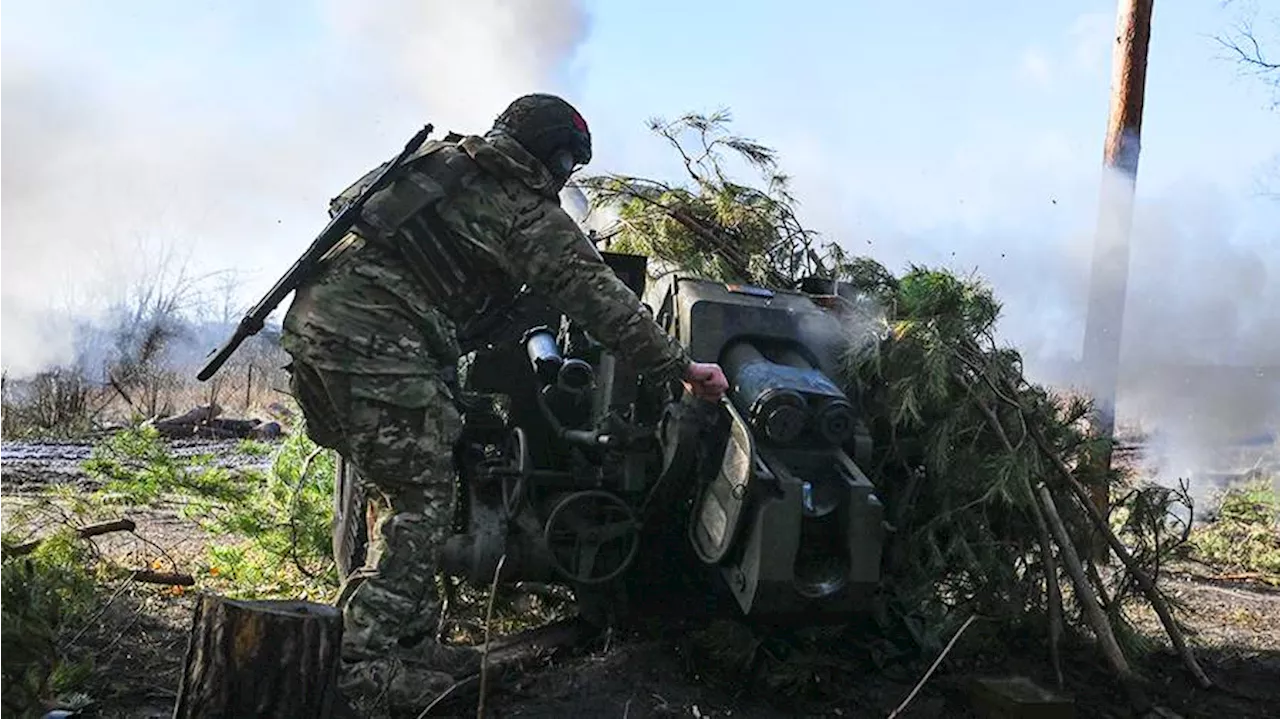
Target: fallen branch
<point x="1241" y="577"/>
<point x="1100" y="523"/>
<point x="93" y="530"/>
<point x="1088" y="600"/>
<point x="1145" y="583"/>
<point x="1053" y="592"/>
<point x="512" y="657"/>
<point x="98" y="615"/>
<point x="207" y="421"/>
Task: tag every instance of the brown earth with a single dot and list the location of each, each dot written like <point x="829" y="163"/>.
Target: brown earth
<point x="137" y="644"/>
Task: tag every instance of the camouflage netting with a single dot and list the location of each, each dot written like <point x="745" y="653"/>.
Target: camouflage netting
<point x="985" y="476"/>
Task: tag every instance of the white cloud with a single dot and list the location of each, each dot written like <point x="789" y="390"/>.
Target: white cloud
<point x="1091" y="37"/>
<point x="1034" y="66"/>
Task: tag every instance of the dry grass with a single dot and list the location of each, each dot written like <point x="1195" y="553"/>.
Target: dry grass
<point x="68" y="403"/>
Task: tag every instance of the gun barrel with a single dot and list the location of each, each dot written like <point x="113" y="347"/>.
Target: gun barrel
<point x="777" y="411"/>
<point x="785" y="396"/>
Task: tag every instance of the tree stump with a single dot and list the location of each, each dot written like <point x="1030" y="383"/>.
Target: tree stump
<point x="268" y="659"/>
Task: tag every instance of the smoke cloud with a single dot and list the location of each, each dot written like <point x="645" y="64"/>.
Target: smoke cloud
<point x="1201" y="333"/>
<point x="219" y="133"/>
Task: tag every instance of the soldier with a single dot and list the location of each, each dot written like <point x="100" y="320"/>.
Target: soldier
<point x="375" y="341"/>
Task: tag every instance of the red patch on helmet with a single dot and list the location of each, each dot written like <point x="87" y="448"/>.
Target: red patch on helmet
<point x="579" y="122"/>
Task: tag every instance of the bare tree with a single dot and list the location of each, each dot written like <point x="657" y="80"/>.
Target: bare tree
<point x="1247" y="42"/>
<point x="153" y="298"/>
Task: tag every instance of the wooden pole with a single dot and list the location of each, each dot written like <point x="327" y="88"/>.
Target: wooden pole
<point x="1104" y="323"/>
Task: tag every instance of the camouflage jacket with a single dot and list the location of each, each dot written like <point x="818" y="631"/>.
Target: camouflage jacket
<point x="367" y="312"/>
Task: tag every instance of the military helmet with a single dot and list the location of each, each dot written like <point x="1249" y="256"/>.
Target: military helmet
<point x="550" y="129"/>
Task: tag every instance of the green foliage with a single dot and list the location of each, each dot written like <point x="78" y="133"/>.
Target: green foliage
<point x="253" y="448"/>
<point x="954" y="425"/>
<point x="137" y="469"/>
<point x="45" y="593"/>
<point x="286" y="522"/>
<point x="754" y="234"/>
<point x="277" y="521"/>
<point x="1245" y="536"/>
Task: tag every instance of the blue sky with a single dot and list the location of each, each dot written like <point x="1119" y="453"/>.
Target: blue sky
<point x="909" y="83"/>
<point x="967" y="134"/>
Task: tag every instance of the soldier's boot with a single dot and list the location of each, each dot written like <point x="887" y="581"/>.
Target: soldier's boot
<point x="390" y="611"/>
<point x="390" y="688"/>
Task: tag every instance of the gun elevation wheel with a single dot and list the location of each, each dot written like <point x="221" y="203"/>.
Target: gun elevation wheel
<point x="592" y="537"/>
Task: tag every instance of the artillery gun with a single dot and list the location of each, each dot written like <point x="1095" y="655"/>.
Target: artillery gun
<point x="575" y="469"/>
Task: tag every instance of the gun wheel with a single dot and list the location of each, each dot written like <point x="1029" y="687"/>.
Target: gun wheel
<point x="592" y="537"/>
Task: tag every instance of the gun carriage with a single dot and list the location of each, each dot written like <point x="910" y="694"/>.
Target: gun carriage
<point x="575" y="469"/>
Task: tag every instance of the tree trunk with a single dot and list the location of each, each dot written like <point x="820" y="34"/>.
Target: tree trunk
<point x="267" y="659"/>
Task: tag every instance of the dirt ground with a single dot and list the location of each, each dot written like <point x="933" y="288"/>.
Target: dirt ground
<point x="139" y="640"/>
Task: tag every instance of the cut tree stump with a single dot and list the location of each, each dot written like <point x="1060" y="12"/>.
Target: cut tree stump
<point x="268" y="659"/>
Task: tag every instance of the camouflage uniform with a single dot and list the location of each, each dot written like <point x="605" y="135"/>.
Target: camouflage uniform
<point x="374" y="356"/>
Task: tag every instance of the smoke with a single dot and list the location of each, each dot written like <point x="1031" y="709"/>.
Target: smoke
<point x="464" y="61"/>
<point x="219" y="133"/>
<point x="1201" y="334"/>
<point x="1200" y="346"/>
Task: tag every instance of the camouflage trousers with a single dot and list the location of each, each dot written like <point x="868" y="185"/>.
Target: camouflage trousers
<point x="391" y="607"/>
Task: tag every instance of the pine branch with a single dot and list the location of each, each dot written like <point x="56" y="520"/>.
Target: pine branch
<point x="1089" y="601"/>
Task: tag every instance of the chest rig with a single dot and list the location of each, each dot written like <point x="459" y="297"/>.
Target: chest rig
<point x="456" y="275"/>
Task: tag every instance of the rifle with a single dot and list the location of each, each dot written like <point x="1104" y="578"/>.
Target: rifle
<point x="253" y="322"/>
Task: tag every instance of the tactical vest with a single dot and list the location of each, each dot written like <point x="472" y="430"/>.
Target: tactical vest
<point x="457" y="277"/>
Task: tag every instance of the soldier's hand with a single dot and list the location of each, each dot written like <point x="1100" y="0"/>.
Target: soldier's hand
<point x="706" y="380"/>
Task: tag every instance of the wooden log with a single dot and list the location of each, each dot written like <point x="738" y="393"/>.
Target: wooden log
<point x="1089" y="604"/>
<point x="194" y="416"/>
<point x="267" y="659"/>
<point x="220" y="428"/>
<point x="93" y="530"/>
